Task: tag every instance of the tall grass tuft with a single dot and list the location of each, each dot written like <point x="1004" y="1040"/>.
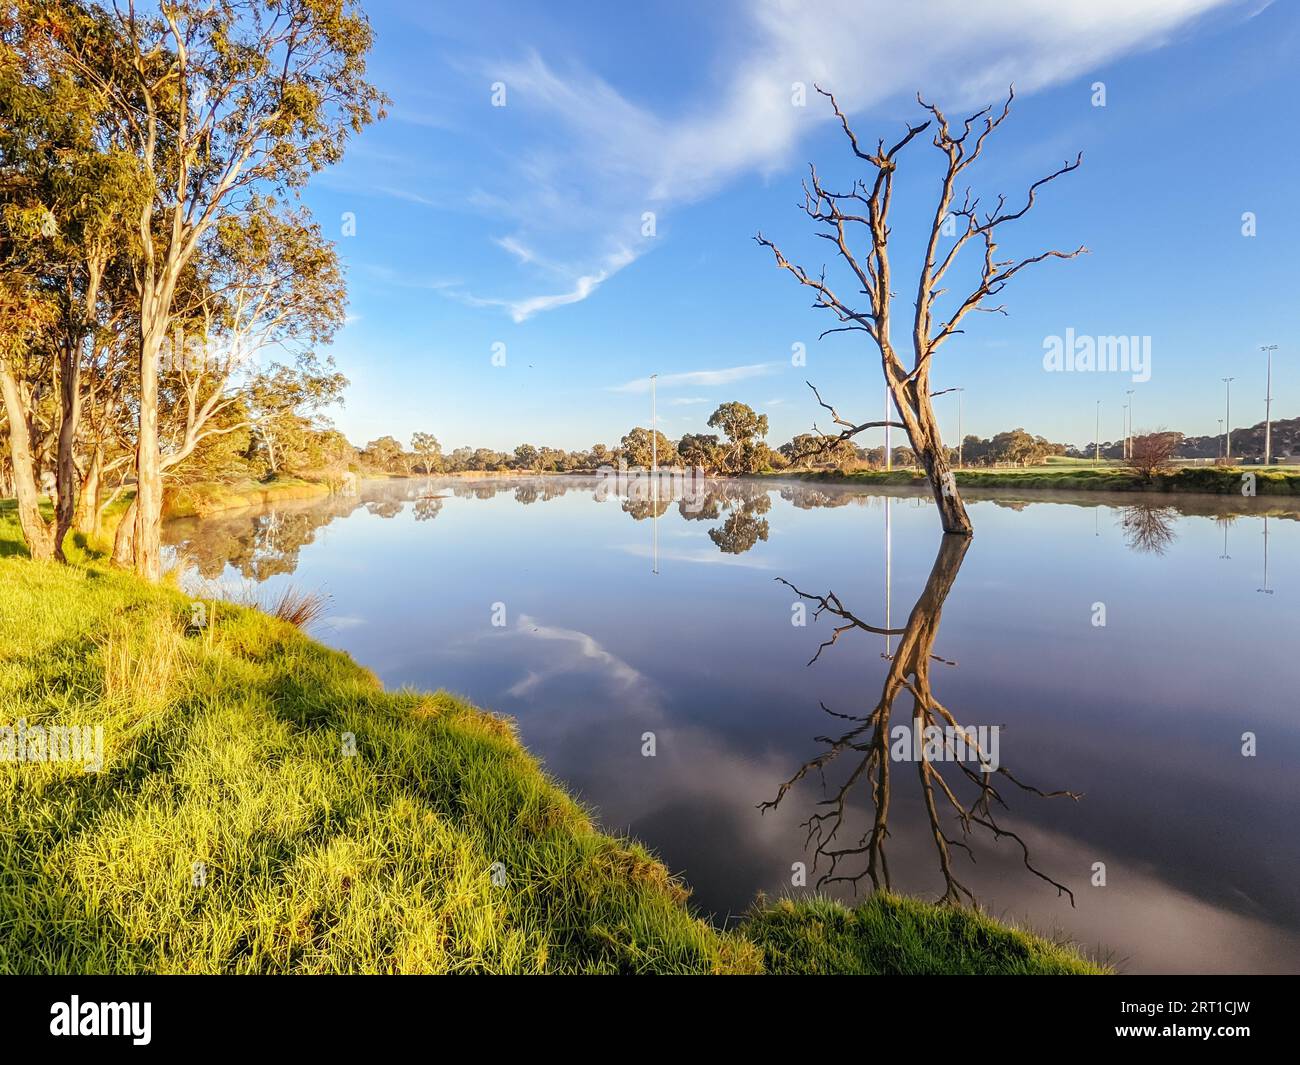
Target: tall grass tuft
<point x="299" y="608"/>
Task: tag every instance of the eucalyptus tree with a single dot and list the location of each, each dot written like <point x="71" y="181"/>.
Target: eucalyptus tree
<point x="744" y="429"/>
<point x="217" y="103"/>
<point x="430" y="451"/>
<point x="64" y="194"/>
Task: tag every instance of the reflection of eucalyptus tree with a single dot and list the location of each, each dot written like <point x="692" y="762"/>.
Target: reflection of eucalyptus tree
<point x="427" y="508"/>
<point x="868" y="738"/>
<point x="385" y="508"/>
<point x="256" y="545"/>
<point x="743" y="527"/>
<point x="814" y="498"/>
<point x="739" y="533"/>
<point x="1149" y="527"/>
<point x="640" y="509"/>
<point x="743" y="502"/>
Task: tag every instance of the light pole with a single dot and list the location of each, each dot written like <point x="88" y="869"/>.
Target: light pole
<point x="654" y="470"/>
<point x="1220" y="440"/>
<point x="1097" y="434"/>
<point x="1128" y="440"/>
<point x="1268" y="350"/>
<point x="654" y="440"/>
<point x="1125" y="431"/>
<point x="960" y="438"/>
<point x="1227" y="418"/>
<point x="889" y="459"/>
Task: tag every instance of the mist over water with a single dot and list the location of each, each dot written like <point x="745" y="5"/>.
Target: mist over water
<point x="1142" y="718"/>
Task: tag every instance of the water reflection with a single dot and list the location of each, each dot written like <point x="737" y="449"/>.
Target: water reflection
<point x="1144" y="716"/>
<point x="946" y="752"/>
<point x="1149" y="528"/>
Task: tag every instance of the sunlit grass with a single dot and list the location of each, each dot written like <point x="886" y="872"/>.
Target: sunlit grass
<point x="889" y="934"/>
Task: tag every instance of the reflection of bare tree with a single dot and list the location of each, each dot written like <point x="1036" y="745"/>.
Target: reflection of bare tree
<point x="868" y="740"/>
<point x="1149" y="527"/>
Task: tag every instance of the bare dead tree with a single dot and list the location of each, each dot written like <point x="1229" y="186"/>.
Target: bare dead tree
<point x="868" y="738"/>
<point x="1153" y="453"/>
<point x="862" y="213"/>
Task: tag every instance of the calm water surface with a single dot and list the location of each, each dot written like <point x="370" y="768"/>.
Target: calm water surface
<point x="1141" y="718"/>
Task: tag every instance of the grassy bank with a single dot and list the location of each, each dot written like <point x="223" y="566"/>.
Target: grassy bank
<point x="1211" y="480"/>
<point x="229" y="830"/>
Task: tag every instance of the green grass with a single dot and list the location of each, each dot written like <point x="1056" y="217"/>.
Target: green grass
<point x="890" y="934"/>
<point x="1068" y="476"/>
<point x="224" y="753"/>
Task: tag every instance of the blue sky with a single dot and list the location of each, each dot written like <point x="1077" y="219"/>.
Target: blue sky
<point x="522" y="225"/>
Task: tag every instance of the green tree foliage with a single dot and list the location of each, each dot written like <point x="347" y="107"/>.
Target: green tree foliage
<point x="635" y="449"/>
<point x="426" y="446"/>
<point x="744" y="429"/>
<point x="384" y="454"/>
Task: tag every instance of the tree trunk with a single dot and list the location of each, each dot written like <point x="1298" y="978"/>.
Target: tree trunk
<point x="148" y="464"/>
<point x="66" y="479"/>
<point x="36" y="531"/>
<point x="87" y="516"/>
<point x="124" y="540"/>
<point x="927" y="442"/>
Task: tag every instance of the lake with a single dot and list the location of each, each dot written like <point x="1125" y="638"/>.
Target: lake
<point x="1140" y="653"/>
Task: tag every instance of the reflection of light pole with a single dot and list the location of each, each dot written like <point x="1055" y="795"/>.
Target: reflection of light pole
<point x="889" y="567"/>
<point x="1268" y="350"/>
<point x="654" y="470"/>
<point x="1225" y="554"/>
<point x="1097" y="433"/>
<point x="1227" y="414"/>
<point x="1266" y="589"/>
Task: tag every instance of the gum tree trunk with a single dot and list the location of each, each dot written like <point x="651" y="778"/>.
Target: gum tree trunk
<point x="928" y="445"/>
<point x="36" y="530"/>
<point x="66" y="478"/>
<point x="148" y="464"/>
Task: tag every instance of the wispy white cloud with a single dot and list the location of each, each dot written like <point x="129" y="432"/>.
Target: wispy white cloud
<point x="700" y="556"/>
<point x="408" y="195"/>
<point x="585" y="651"/>
<point x="686" y="401"/>
<point x="388" y="276"/>
<point x="701" y="378"/>
<point x="604" y="159"/>
<point x="521" y="310"/>
<point x="525" y="254"/>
